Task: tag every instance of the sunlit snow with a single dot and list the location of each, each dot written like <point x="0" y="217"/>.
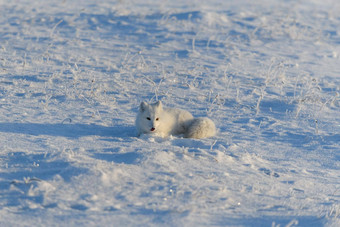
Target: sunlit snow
<point x="73" y="73"/>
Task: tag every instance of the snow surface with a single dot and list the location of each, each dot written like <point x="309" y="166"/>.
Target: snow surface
<point x="74" y="72"/>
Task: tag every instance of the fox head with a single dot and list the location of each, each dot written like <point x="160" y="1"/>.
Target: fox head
<point x="150" y="116"/>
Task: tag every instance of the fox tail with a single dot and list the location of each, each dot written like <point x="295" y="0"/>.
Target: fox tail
<point x="201" y="127"/>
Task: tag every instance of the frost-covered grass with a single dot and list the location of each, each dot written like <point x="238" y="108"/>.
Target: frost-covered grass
<point x="72" y="74"/>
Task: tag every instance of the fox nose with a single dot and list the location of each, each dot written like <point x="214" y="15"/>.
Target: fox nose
<point x="152" y="129"/>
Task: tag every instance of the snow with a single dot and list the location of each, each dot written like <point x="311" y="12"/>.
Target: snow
<point x="73" y="73"/>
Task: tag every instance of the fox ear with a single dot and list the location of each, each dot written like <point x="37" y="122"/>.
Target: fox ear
<point x="142" y="106"/>
<point x="159" y="104"/>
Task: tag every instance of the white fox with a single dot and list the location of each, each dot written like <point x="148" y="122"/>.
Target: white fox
<point x="154" y="119"/>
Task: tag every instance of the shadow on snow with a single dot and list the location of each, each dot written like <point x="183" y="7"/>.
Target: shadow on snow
<point x="114" y="155"/>
<point x="30" y="170"/>
<point x="67" y="130"/>
<point x="276" y="221"/>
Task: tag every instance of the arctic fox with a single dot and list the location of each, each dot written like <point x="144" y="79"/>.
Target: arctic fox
<point x="154" y="119"/>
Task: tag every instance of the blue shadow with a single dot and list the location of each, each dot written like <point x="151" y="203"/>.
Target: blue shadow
<point x="67" y="130"/>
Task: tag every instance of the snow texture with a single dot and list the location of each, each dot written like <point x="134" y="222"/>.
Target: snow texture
<point x="73" y="73"/>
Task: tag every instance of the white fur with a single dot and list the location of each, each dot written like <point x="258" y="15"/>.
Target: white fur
<point x="156" y="120"/>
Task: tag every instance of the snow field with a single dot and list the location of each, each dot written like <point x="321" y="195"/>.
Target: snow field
<point x="72" y="75"/>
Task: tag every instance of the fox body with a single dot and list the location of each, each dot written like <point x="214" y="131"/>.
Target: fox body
<point x="154" y="119"/>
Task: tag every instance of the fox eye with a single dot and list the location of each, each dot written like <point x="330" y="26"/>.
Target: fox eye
<point x="149" y="119"/>
<point x="157" y="119"/>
